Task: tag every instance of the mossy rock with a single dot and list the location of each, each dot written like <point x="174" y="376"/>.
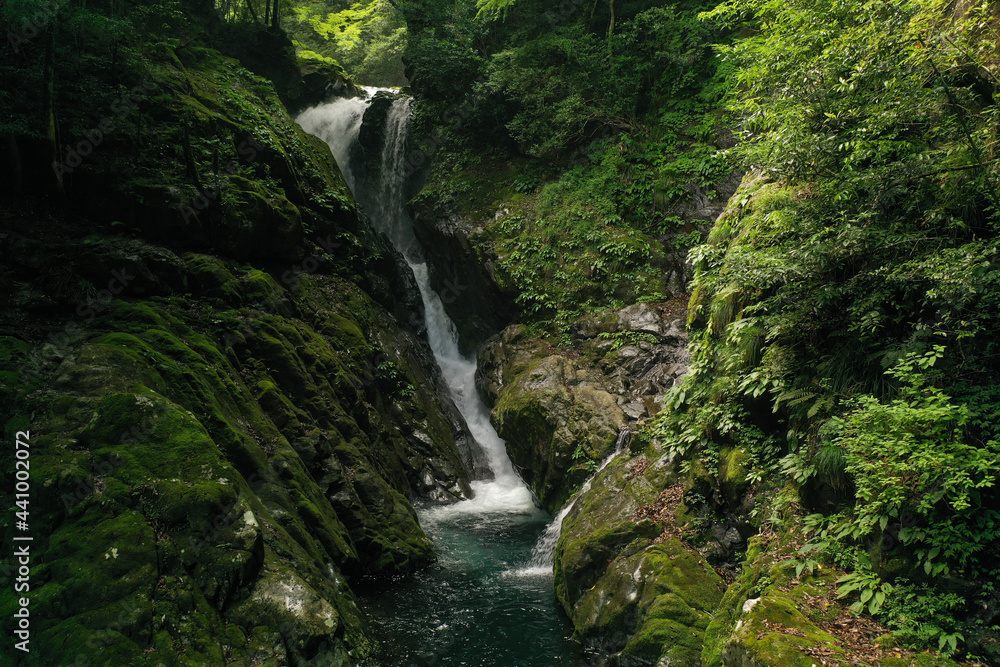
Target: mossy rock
<point x="558" y="421"/>
<point x="733" y="475"/>
<point x="155" y="428"/>
<point x="770" y="617"/>
<point x="652" y="603"/>
<point x="640" y="600"/>
<point x="600" y="525"/>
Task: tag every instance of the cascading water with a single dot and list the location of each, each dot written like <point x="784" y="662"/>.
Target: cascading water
<point x="543" y="554"/>
<point x="467" y="609"/>
<point x="338" y="123"/>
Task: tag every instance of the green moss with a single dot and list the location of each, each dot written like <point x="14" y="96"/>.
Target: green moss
<point x="207" y="274"/>
<point x="660" y="638"/>
<point x="733" y="475"/>
<point x="99" y="559"/>
<point x="652" y="601"/>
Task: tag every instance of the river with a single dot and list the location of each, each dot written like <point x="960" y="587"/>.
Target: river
<point x="489" y="599"/>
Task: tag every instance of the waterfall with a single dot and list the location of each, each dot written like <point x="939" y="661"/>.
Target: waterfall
<point x="338" y="124"/>
<point x="382" y="198"/>
<point x="543" y="555"/>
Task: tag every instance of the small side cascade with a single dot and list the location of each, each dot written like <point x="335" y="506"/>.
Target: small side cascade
<point x="543" y="554"/>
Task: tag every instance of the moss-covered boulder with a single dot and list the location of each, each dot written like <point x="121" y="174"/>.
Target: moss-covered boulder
<point x="556" y="416"/>
<point x="215" y="461"/>
<point x="778" y="614"/>
<point x="322" y="80"/>
<point x="631" y="589"/>
<point x="658" y="601"/>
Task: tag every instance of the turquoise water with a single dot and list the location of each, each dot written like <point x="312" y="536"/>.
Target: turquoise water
<point x="479" y="606"/>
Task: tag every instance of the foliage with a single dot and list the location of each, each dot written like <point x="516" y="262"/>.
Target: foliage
<point x="924" y="617"/>
<point x="845" y="305"/>
<point x="909" y="457"/>
<point x="494" y="8"/>
<point x="567" y="88"/>
<point x="872" y="591"/>
<point x="367" y="38"/>
<point x="615" y="140"/>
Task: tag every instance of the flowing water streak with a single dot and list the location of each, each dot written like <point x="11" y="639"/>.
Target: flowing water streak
<point x="543" y="555"/>
<point x="338" y="123"/>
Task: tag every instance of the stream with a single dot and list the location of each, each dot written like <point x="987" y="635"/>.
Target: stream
<point x="489" y="599"/>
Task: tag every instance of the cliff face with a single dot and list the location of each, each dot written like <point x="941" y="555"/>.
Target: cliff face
<point x="230" y="407"/>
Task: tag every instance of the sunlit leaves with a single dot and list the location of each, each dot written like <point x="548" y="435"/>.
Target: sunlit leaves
<point x="494" y="8"/>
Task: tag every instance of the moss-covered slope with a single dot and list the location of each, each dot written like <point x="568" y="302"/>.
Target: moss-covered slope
<point x="230" y="406"/>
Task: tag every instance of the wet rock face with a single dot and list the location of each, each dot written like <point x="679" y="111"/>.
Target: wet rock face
<point x="556" y="416"/>
<point x="632" y="591"/>
<point x="462" y="275"/>
<point x="322" y="82"/>
<point x="371" y="137"/>
<point x="698" y="207"/>
<point x="561" y="414"/>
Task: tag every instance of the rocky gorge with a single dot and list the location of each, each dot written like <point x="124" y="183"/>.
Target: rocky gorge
<point x="307" y="368"/>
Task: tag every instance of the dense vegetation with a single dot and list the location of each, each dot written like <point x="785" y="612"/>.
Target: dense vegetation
<point x="367" y="38"/>
<point x="592" y="138"/>
<point x="844" y="313"/>
<point x="844" y="308"/>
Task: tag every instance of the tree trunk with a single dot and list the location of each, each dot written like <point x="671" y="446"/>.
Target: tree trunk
<point x="275" y="20"/>
<point x="253" y="12"/>
<point x="49" y="110"/>
<point x="593" y="10"/>
<point x="611" y="25"/>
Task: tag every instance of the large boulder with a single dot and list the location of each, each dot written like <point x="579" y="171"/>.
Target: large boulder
<point x="632" y="588"/>
<point x="557" y="417"/>
<point x="220" y="457"/>
<point x="781" y="612"/>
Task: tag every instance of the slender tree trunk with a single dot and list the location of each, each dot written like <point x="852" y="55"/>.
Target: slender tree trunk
<point x="253" y="12"/>
<point x="275" y="19"/>
<point x="267" y="13"/>
<point x="611" y="25"/>
<point x="49" y="110"/>
<point x="593" y="10"/>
